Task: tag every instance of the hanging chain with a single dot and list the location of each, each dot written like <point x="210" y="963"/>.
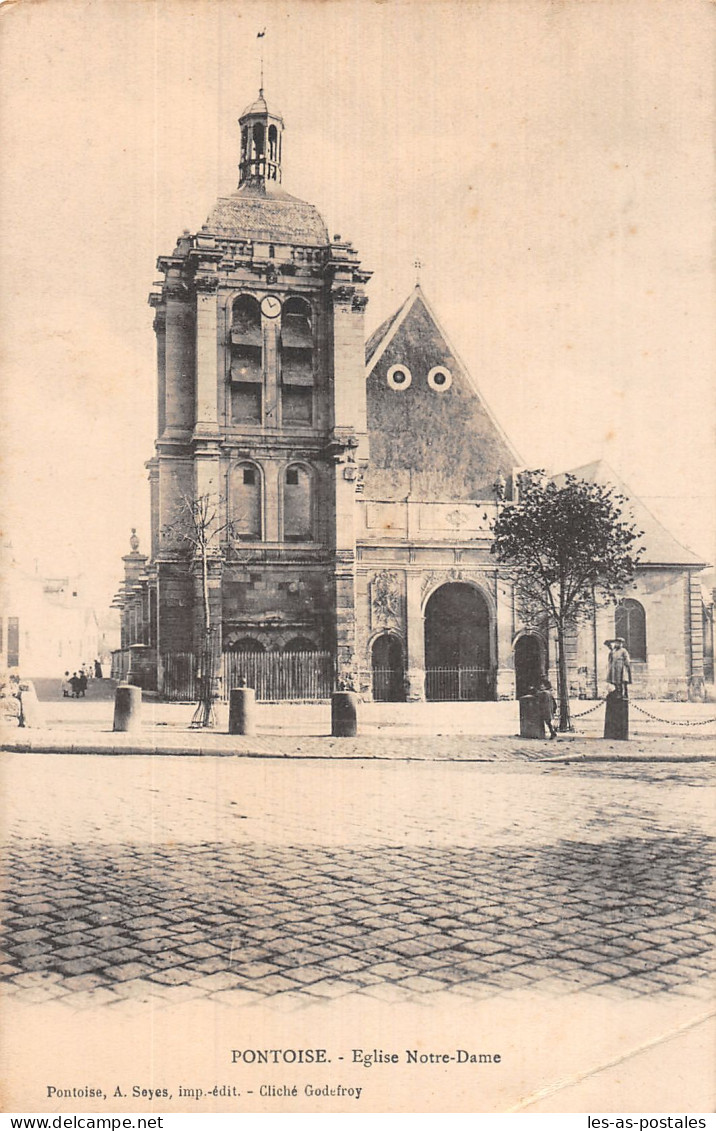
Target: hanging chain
<point x="672" y="722"/>
<point x="649" y="715"/>
<point x="589" y="710"/>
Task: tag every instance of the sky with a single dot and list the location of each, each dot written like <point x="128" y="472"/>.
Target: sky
<point x="549" y="163"/>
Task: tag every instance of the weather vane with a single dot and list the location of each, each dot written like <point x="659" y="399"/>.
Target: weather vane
<point x="260" y="35"/>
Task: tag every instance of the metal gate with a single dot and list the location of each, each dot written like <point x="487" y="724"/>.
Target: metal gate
<point x="458" y="684"/>
<point x="388" y="685"/>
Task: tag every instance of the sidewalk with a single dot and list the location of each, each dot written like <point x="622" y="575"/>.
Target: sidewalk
<point x="425" y="731"/>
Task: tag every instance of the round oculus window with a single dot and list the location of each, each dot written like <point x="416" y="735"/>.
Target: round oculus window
<point x="439" y="378"/>
<point x="399" y="377"/>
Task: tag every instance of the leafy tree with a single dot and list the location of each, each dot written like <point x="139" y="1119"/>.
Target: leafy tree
<point x="198" y="529"/>
<point x="570" y="548"/>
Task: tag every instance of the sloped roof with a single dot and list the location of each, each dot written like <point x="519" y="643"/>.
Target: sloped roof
<point x="424" y="444"/>
<point x="381" y="339"/>
<point x="260" y="106"/>
<point x="272" y="216"/>
<point x="660" y="545"/>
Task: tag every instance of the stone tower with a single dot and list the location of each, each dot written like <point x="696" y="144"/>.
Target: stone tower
<point x="261" y="409"/>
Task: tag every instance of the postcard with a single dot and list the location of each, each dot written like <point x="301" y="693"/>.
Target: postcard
<point x="327" y="330"/>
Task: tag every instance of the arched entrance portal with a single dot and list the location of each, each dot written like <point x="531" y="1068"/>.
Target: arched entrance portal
<point x="388" y="676"/>
<point x="457" y="644"/>
<point x="529" y="666"/>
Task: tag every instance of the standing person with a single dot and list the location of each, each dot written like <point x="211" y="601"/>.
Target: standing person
<point x="75" y="685"/>
<point x="547" y="705"/>
<point x="82" y="683"/>
<point x="619" y="669"/>
<point x="66" y="687"/>
<point x="98" y="669"/>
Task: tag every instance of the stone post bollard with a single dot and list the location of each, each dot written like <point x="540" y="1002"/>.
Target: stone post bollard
<point x="31" y="710"/>
<point x="531" y="722"/>
<point x="616" y="718"/>
<point x="242" y="710"/>
<point x="127" y="708"/>
<point x="344" y="714"/>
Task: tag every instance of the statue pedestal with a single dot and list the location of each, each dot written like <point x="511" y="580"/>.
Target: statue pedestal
<point x="616" y="719"/>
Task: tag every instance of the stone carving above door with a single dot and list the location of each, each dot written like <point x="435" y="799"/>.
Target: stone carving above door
<point x="386" y="600"/>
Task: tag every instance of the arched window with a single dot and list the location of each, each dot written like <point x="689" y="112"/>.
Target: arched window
<point x="244" y="143"/>
<point x="630" y="623"/>
<point x="246" y="366"/>
<point x="246" y="320"/>
<point x="258" y="140"/>
<point x="272" y="143"/>
<point x="245" y="502"/>
<point x="297" y="362"/>
<point x="297" y="504"/>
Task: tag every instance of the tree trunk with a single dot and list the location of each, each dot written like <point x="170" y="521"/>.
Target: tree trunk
<point x="205" y="714"/>
<point x="565" y="723"/>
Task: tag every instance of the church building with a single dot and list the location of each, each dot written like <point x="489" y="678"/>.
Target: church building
<point x="354" y="486"/>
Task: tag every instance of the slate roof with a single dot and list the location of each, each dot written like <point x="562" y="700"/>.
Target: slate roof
<point x="381" y="338"/>
<point x="383" y="331"/>
<point x="272" y="216"/>
<point x="661" y="546"/>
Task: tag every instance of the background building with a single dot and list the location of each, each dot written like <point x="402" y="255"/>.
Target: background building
<point x="47" y="624"/>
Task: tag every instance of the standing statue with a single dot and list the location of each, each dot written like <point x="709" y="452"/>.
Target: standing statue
<point x="619" y="669"/>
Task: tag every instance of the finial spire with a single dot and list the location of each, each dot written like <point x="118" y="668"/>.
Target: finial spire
<point x="260" y="35"/>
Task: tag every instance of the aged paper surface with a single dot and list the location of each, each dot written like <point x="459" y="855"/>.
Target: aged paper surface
<point x="551" y="166"/>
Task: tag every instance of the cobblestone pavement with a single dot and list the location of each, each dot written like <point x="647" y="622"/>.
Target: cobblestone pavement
<point x="178" y="878"/>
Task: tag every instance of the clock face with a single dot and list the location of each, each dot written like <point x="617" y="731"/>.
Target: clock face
<point x="270" y="306"/>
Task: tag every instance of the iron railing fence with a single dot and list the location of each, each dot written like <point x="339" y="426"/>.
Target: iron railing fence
<point x="273" y="675"/>
<point x="459" y="684"/>
<point x="388" y="685"/>
<point x="281" y="675"/>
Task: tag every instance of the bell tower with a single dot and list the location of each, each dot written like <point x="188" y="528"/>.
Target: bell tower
<point x="261" y="141"/>
<point x="262" y="406"/>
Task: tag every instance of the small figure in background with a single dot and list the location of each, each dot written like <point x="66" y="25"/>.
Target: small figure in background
<point x="81" y="683"/>
<point x="547" y="705"/>
<point x="66" y="687"/>
<point x="98" y="670"/>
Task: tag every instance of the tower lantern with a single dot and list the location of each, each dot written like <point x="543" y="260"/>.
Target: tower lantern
<point x="261" y="134"/>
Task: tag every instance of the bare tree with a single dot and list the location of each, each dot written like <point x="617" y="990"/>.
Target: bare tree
<point x="198" y="527"/>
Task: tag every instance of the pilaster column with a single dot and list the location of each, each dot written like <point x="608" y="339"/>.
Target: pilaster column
<point x="506" y="627"/>
<point x="179" y="357"/>
<point x="415" y="637"/>
<point x="270" y="330"/>
<point x="344" y="570"/>
<point x="272" y="486"/>
<point x="160" y="329"/>
<point x="349" y="395"/>
<point x="206" y="355"/>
